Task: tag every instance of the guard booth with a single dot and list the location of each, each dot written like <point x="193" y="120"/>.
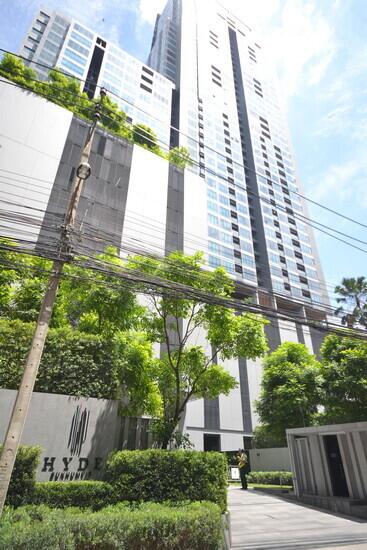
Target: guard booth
<point x="329" y="465"/>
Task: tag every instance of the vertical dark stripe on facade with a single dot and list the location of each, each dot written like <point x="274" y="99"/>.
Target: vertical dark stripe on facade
<point x="211" y="409"/>
<point x="248" y="159"/>
<point x="175" y="210"/>
<point x="257" y="226"/>
<point x="175" y="108"/>
<point x="174" y="239"/>
<point x="93" y="71"/>
<point x="245" y="396"/>
<point x="317" y="338"/>
<point x="101" y="209"/>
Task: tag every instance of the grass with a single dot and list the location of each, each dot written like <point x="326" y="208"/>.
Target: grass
<point x="262" y="486"/>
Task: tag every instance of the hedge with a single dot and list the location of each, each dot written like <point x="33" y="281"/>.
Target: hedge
<point x="160" y="475"/>
<point x="73" y="362"/>
<point x="196" y="526"/>
<point x="23" y="479"/>
<point x="84" y="494"/>
<point x="271" y="478"/>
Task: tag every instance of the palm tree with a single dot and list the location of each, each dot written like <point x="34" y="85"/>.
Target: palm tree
<point x="353" y="295"/>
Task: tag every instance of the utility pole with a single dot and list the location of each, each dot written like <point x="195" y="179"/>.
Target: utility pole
<point x="21" y="406"/>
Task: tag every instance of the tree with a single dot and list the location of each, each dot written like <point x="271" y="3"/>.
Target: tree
<point x="13" y="68"/>
<point x="289" y="389"/>
<point x="352" y="293"/>
<point x="344" y="373"/>
<point x="8" y="273"/>
<point x="143" y="135"/>
<point x="186" y="370"/>
<point x="180" y="156"/>
<point x="97" y="302"/>
<point x="263" y="437"/>
<point x="28" y="289"/>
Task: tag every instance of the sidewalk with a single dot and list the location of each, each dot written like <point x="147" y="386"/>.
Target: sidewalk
<point x="266" y="522"/>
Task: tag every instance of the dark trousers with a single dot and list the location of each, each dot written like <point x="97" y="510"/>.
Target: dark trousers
<point x="243" y="478"/>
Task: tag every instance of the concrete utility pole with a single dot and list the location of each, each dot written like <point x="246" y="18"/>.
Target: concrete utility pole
<point x="21" y="406"/>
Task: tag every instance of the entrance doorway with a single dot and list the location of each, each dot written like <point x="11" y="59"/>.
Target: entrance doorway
<point x="336" y="468"/>
<point x="211" y="442"/>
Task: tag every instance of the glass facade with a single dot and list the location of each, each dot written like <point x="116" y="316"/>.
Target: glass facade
<point x="232" y="121"/>
<point x="139" y="91"/>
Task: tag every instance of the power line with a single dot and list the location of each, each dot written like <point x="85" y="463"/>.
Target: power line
<point x="171" y="127"/>
<point x="137" y="279"/>
<point x="101" y="236"/>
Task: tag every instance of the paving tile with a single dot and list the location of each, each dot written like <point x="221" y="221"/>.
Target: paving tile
<point x="262" y="521"/>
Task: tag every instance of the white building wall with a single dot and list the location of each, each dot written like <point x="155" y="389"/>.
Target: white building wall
<point x="288" y="331"/>
<point x="230" y="406"/>
<point x="267" y="460"/>
<point x="146" y="205"/>
<point x="33" y="132"/>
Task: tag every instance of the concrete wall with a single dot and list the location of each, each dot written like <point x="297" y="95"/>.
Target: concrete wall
<point x="33" y="132"/>
<point x="76" y="434"/>
<point x="311" y="463"/>
<point x="267" y="460"/>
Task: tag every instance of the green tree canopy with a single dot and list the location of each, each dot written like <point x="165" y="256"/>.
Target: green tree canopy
<point x="12" y="67"/>
<point x="99" y="302"/>
<point x="344" y="374"/>
<point x="180" y="156"/>
<point x="143" y="135"/>
<point x="9" y="274"/>
<point x="186" y="370"/>
<point x="352" y="294"/>
<point x="289" y="390"/>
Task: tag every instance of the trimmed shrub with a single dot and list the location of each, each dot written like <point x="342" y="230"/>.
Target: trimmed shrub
<point x="84" y="494"/>
<point x="196" y="526"/>
<point x="23" y="479"/>
<point x="95" y="358"/>
<point x="270" y="478"/>
<point x="160" y="475"/>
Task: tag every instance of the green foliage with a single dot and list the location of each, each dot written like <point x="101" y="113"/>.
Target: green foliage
<point x="13" y="68"/>
<point x="139" y="389"/>
<point x="264" y="438"/>
<point x="271" y="478"/>
<point x="344" y="375"/>
<point x="180" y="156"/>
<point x="159" y="475"/>
<point x="23" y="479"/>
<point x="143" y="135"/>
<point x="95" y="302"/>
<point x="28" y="290"/>
<point x="65" y="91"/>
<point x="195" y="526"/>
<point x="187" y="371"/>
<point x="290" y="389"/>
<point x="8" y="275"/>
<point x="352" y="294"/>
<point x="72" y="363"/>
<point x="83" y="494"/>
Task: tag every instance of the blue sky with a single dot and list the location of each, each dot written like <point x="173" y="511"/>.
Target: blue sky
<point x="320" y="55"/>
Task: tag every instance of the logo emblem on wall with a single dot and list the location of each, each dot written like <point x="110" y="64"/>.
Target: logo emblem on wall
<point x="78" y="431"/>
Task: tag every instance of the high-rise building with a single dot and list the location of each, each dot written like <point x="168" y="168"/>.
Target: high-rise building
<point x="57" y="41"/>
<point x="229" y="113"/>
<point x="230" y="117"/>
<point x="241" y="201"/>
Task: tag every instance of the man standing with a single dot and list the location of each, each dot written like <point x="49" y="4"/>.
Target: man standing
<point x="242" y="463"/>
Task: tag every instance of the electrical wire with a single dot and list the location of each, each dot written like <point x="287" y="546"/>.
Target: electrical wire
<point x="171" y="127"/>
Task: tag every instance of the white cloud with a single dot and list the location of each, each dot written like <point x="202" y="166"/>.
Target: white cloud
<point x="343" y="181"/>
<point x="302" y="45"/>
<point x="148" y="10"/>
